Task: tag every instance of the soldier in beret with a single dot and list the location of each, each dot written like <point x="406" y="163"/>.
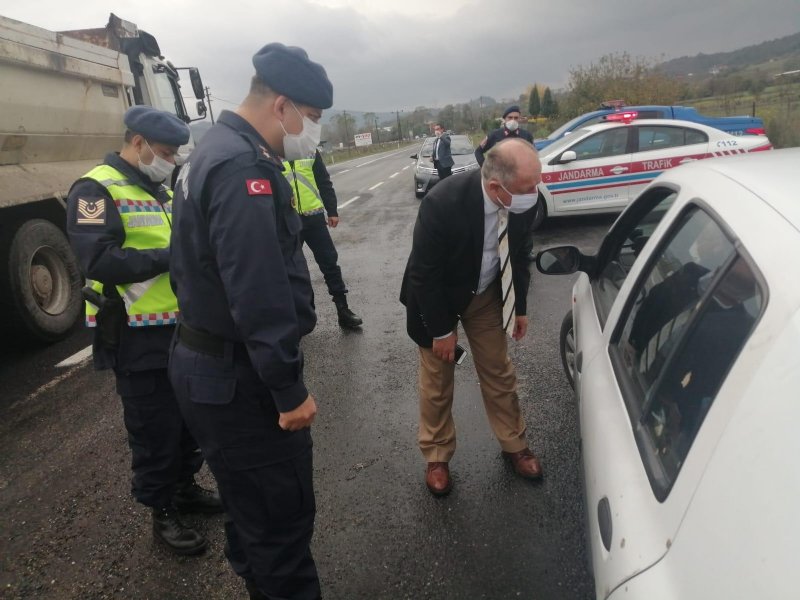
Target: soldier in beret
<point x="510" y="129"/>
<point x="118" y="221"/>
<point x="246" y="301"/>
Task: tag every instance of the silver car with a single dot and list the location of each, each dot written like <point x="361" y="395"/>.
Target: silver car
<point x="425" y="176"/>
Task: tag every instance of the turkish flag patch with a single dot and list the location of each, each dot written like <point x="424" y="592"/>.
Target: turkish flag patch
<point x="259" y="187"/>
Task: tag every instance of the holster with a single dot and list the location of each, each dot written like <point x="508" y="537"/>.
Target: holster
<point x="111" y="315"/>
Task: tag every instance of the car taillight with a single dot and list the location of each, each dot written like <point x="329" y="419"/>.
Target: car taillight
<point x="625" y="117"/>
<point x="755" y="131"/>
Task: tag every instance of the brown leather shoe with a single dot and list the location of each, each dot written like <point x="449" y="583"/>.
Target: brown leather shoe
<point x="437" y="478"/>
<point x="525" y="463"/>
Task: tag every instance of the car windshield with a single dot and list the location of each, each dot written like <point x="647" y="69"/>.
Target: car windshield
<point x="558" y="146"/>
<point x="565" y="128"/>
<point x="459" y="145"/>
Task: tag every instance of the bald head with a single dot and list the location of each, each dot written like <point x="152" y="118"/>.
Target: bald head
<point x="511" y="167"/>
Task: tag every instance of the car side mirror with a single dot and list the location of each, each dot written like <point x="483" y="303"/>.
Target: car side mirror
<point x="414" y="156"/>
<point x="562" y="260"/>
<point x="568" y="156"/>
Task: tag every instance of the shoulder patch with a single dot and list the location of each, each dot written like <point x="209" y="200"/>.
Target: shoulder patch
<point x="259" y="187"/>
<point x="91" y="211"/>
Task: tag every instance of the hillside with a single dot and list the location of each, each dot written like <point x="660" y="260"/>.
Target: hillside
<point x="772" y="57"/>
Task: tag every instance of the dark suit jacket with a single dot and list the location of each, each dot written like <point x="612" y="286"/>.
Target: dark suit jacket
<point x="443" y="271"/>
<point x="445" y="157"/>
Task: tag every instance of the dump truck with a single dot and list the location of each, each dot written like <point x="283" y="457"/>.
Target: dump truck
<point x="62" y="100"/>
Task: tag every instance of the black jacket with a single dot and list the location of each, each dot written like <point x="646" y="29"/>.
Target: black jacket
<point x="442" y="145"/>
<point x="443" y="271"/>
<point x="499" y="135"/>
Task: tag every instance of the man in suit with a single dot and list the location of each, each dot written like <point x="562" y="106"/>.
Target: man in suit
<point x="468" y="263"/>
<point x="441" y="157"/>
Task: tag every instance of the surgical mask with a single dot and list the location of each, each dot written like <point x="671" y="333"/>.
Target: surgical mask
<point x="301" y="145"/>
<point x="521" y="202"/>
<point x="512" y="125"/>
<point x="158" y="170"/>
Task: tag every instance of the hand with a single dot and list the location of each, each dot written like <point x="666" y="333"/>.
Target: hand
<point x="333" y="221"/>
<point x="520" y="328"/>
<point x="300" y="417"/>
<point x="445" y="348"/>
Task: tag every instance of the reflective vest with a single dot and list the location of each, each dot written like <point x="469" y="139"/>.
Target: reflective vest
<point x="300" y="174"/>
<point x="150" y="302"/>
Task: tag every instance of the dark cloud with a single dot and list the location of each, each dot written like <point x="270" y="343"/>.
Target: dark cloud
<point x="381" y="61"/>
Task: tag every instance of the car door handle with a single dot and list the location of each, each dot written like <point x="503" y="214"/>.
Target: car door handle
<point x="618" y="169"/>
<point x="579" y="361"/>
<point x="604" y="522"/>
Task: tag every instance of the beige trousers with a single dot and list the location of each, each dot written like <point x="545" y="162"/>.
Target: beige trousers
<point x="482" y="322"/>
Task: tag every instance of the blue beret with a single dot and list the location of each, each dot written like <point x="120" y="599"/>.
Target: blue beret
<point x="288" y="71"/>
<point x="157" y="125"/>
<point x="510" y="109"/>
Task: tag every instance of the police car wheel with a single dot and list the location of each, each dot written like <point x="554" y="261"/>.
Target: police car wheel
<point x="566" y="345"/>
<point x="42" y="282"/>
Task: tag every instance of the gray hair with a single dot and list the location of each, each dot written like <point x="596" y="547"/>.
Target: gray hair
<point x="502" y="165"/>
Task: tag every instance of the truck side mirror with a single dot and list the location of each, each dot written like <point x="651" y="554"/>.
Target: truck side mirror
<point x="201" y="109"/>
<point x="197" y="83"/>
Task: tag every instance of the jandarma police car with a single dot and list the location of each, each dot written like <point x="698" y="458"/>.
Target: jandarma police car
<point x="603" y="167"/>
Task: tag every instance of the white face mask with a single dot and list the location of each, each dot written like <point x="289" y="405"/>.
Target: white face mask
<point x="158" y="170"/>
<point x="512" y="125"/>
<point x="301" y="145"/>
<point x="521" y="202"/>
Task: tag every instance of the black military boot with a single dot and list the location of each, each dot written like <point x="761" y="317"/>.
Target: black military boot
<point x="347" y="318"/>
<point x="191" y="498"/>
<point x="168" y="528"/>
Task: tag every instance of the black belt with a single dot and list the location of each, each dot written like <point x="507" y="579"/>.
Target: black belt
<point x="200" y="341"/>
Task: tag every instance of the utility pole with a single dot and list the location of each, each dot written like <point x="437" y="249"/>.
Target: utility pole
<point x="346" y="132"/>
<point x="377" y="131"/>
<point x="208" y="99"/>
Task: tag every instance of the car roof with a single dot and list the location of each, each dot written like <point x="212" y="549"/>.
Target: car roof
<point x="665" y="122"/>
<point x="770" y="175"/>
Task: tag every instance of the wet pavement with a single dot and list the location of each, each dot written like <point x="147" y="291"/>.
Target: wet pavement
<point x="70" y="530"/>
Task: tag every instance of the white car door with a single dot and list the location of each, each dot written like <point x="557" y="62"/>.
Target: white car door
<point x="661" y="147"/>
<point x="645" y="392"/>
<point x="597" y="179"/>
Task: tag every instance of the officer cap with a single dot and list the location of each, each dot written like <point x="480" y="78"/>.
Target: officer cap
<point x="288" y="71"/>
<point x="157" y="125"/>
<point x="510" y="109"/>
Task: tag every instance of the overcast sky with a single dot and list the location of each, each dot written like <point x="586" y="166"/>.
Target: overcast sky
<point x="385" y="55"/>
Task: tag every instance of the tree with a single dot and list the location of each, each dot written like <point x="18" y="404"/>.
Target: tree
<point x="548" y="104"/>
<point x="345" y="127"/>
<point x="534" y="104"/>
<point x="447" y="117"/>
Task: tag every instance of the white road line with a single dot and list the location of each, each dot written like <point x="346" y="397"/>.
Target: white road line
<point x="76" y="358"/>
<point x="394" y="175"/>
<point x="382" y="157"/>
<point x="404" y="168"/>
<point x="374" y="186"/>
<point x="340" y="172"/>
<point x="353" y="199"/>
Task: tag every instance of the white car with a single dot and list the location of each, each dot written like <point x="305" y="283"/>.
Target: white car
<point x="683" y="342"/>
<point x="601" y="168"/>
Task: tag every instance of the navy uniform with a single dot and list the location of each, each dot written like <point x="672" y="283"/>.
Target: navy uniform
<point x="501" y="134"/>
<point x="118" y="224"/>
<point x="246" y="301"/>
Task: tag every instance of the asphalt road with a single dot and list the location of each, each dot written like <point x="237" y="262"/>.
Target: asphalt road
<point x="68" y="528"/>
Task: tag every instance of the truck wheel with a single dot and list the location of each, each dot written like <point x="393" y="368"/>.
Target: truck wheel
<point x="42" y="291"/>
<point x="566" y="346"/>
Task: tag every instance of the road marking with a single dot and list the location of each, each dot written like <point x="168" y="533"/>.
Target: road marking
<point x="374" y="186"/>
<point x="353" y="199"/>
<point x="340" y="172"/>
<point x="404" y="168"/>
<point x="76" y="358"/>
<point x="47" y="386"/>
<point x="394" y="175"/>
<point x="382" y="157"/>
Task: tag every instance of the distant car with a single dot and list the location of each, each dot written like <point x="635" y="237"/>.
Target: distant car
<point x="601" y="168"/>
<point x="425" y="176"/>
<point x="742" y="125"/>
<point x="682" y="344"/>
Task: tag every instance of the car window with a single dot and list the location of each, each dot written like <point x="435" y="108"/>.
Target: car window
<point x="605" y="143"/>
<point x="692" y="312"/>
<point x="627" y="244"/>
<point x="658" y="137"/>
<point x="461" y="145"/>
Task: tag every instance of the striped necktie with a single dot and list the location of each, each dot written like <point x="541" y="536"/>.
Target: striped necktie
<point x="506" y="282"/>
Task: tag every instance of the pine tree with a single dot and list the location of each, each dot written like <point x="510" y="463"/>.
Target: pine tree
<point x="534" y="104"/>
<point x="548" y="104"/>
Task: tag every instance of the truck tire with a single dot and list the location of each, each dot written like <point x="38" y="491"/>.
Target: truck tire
<point x="42" y="283"/>
<point x="566" y="346"/>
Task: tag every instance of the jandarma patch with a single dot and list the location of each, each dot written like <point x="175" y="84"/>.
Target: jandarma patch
<point x="91" y="212"/>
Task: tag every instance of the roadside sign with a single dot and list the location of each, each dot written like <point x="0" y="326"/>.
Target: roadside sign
<point x="363" y="139"/>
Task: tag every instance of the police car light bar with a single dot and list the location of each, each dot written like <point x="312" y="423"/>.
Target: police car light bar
<point x="625" y="117"/>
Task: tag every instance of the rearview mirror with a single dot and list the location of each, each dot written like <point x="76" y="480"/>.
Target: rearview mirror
<point x="201" y="109"/>
<point x="414" y="156"/>
<point x="197" y="83"/>
<point x="562" y="260"/>
<point x="568" y="156"/>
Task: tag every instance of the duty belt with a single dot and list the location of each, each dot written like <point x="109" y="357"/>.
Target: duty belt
<point x="200" y="341"/>
<point x="316" y="211"/>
